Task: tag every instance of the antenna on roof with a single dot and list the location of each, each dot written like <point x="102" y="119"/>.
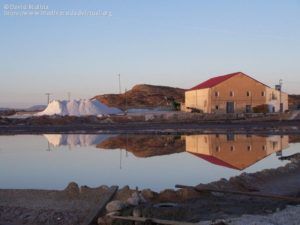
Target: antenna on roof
<point x="48" y="97"/>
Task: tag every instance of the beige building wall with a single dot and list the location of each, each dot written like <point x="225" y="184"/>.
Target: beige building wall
<point x="241" y="90"/>
<point x="198" y="99"/>
<point x="240" y="152"/>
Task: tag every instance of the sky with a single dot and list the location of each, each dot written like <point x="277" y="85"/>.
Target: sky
<point x="167" y="42"/>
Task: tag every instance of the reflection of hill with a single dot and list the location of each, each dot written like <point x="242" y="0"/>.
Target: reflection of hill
<point x="145" y="145"/>
<point x="234" y="151"/>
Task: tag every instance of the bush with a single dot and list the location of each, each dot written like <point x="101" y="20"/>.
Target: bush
<point x="261" y="109"/>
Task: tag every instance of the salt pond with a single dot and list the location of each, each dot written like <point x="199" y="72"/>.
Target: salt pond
<point x="157" y="162"/>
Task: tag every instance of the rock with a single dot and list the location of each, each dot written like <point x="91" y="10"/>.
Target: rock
<point x="148" y="194"/>
<point x="168" y="195"/>
<point x="187" y="193"/>
<point x="133" y="201"/>
<point x="136" y="199"/>
<point x="116" y="213"/>
<point x="115" y="206"/>
<point x="137" y="212"/>
<point x="124" y="193"/>
<point x="104" y="220"/>
<point x="101" y="221"/>
<point x="72" y="189"/>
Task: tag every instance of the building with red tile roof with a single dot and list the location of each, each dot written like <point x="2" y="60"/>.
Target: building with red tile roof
<point x="234" y="93"/>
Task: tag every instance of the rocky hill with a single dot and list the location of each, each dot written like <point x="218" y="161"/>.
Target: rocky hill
<point x="143" y="96"/>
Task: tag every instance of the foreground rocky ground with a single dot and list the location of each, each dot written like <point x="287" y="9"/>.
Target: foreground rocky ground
<point x="191" y="206"/>
<point x="74" y="204"/>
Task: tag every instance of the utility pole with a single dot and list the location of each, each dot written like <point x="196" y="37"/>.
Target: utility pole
<point x="119" y="75"/>
<point x="48" y="97"/>
<point x="281" y="106"/>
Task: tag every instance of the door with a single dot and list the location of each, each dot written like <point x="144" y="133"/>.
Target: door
<point x="281" y="107"/>
<point x="230" y="107"/>
<point x="248" y="108"/>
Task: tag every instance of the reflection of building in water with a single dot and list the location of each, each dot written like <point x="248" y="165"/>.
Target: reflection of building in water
<point x="234" y="151"/>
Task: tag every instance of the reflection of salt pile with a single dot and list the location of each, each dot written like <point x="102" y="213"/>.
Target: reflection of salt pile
<point x="78" y="108"/>
<point x="75" y="139"/>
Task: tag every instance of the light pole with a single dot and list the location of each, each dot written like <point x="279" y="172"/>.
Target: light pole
<point x="48" y="97"/>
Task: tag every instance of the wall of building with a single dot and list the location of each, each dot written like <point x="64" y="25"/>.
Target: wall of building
<point x="198" y="99"/>
<point x="239" y="85"/>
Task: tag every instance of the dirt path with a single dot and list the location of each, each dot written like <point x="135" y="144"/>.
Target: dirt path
<point x="257" y="127"/>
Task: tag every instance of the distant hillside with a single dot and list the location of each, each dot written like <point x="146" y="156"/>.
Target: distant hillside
<point x="143" y="96"/>
<point x="36" y="108"/>
<point x="294" y="101"/>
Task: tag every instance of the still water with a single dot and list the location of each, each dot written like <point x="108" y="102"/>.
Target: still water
<point x="52" y="161"/>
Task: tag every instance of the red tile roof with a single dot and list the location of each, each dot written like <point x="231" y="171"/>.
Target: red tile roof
<point x="214" y="81"/>
<point x="215" y="160"/>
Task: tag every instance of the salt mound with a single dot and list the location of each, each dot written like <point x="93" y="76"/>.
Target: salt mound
<point x="81" y="140"/>
<point x="78" y="108"/>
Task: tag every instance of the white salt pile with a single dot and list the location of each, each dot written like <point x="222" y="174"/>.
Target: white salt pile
<point x="78" y="108"/>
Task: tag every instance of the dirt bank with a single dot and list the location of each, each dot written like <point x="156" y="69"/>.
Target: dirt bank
<point x="80" y="126"/>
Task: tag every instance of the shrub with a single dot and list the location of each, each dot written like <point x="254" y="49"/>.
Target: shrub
<point x="261" y="109"/>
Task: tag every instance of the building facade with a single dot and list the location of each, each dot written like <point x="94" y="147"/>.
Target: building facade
<point x="234" y="93"/>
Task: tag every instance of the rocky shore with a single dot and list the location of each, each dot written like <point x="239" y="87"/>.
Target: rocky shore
<point x="74" y="204"/>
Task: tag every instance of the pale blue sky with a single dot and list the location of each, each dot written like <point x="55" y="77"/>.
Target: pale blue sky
<point x="166" y="42"/>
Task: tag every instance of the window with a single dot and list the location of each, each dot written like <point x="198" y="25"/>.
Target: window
<point x="249" y="148"/>
<point x="231" y="93"/>
<point x="263" y="147"/>
<point x="263" y="94"/>
<point x="232" y="148"/>
<point x="218" y="149"/>
<point x="217" y="94"/>
<point x="217" y="107"/>
<point x="248" y="93"/>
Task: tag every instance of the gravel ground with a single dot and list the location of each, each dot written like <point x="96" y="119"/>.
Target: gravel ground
<point x="67" y="207"/>
<point x="288" y="216"/>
